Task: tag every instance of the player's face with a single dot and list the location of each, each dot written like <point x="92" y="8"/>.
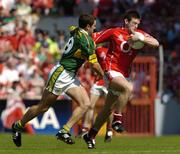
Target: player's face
<point x="92" y="28"/>
<point x="132" y="25"/>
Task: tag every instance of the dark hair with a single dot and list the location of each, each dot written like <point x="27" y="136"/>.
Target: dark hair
<point x="85" y="20"/>
<point x="132" y="14"/>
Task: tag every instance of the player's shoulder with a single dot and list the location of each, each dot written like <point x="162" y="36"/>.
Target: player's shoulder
<point x="83" y="36"/>
<point x="121" y="30"/>
<point x="117" y="29"/>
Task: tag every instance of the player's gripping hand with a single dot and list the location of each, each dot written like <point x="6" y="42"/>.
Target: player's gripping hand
<point x="98" y="76"/>
<point x="136" y="36"/>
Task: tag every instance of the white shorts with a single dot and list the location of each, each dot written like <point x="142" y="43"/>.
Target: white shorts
<point x="109" y="75"/>
<point x="60" y="80"/>
<point x="112" y="74"/>
<point x="98" y="90"/>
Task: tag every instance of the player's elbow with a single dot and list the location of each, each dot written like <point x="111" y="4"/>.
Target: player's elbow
<point x="152" y="42"/>
<point x="156" y="43"/>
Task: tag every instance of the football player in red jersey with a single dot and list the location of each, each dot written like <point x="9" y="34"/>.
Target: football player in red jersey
<point x="120" y="55"/>
<point x="97" y="90"/>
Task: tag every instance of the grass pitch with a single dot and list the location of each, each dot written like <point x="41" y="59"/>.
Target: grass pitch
<point x="44" y="144"/>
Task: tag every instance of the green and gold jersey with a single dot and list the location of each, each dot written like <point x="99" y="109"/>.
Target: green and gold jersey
<point x="78" y="49"/>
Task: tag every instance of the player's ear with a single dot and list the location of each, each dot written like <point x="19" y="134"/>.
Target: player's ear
<point x="126" y="21"/>
<point x="88" y="26"/>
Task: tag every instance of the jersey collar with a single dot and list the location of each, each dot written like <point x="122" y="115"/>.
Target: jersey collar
<point x="83" y="31"/>
<point x="125" y="29"/>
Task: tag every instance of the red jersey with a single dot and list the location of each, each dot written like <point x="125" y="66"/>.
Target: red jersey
<point x="120" y="55"/>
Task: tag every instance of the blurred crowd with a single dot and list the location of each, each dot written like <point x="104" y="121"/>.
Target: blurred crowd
<point x="27" y="53"/>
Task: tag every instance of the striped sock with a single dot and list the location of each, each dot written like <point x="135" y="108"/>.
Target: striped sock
<point x="18" y="126"/>
<point x="109" y="126"/>
<point x="66" y="128"/>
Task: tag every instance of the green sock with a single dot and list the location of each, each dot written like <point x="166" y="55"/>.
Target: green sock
<point x="66" y="128"/>
<point x="18" y="125"/>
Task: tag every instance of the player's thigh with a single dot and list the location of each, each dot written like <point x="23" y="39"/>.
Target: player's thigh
<point x="117" y="81"/>
<point x="120" y="84"/>
<point x="79" y="94"/>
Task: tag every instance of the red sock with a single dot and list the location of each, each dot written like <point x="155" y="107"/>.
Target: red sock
<point x="109" y="127"/>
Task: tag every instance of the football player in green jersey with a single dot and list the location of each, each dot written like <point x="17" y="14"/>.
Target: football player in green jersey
<point x="79" y="49"/>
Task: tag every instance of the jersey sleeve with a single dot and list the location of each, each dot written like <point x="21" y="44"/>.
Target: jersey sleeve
<point x="88" y="48"/>
<point x="102" y="36"/>
<point x="144" y="33"/>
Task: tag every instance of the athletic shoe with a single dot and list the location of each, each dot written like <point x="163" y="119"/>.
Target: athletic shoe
<point x="108" y="136"/>
<point x="90" y="142"/>
<point x="16" y="135"/>
<point x="64" y="136"/>
<point x="118" y="127"/>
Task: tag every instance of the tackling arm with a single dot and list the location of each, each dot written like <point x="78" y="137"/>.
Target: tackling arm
<point x="149" y="40"/>
<point x="145" y="38"/>
<point x="95" y="66"/>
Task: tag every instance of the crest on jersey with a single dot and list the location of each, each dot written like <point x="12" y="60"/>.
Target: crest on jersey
<point x="120" y="37"/>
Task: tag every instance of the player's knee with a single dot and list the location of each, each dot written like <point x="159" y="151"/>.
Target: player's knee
<point x="43" y="108"/>
<point x="91" y="107"/>
<point x="86" y="106"/>
<point x="128" y="91"/>
<point x="130" y="88"/>
<point x="114" y="91"/>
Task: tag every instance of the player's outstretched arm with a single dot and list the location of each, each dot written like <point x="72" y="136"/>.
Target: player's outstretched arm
<point x="145" y="38"/>
<point x="98" y="70"/>
<point x="149" y="40"/>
